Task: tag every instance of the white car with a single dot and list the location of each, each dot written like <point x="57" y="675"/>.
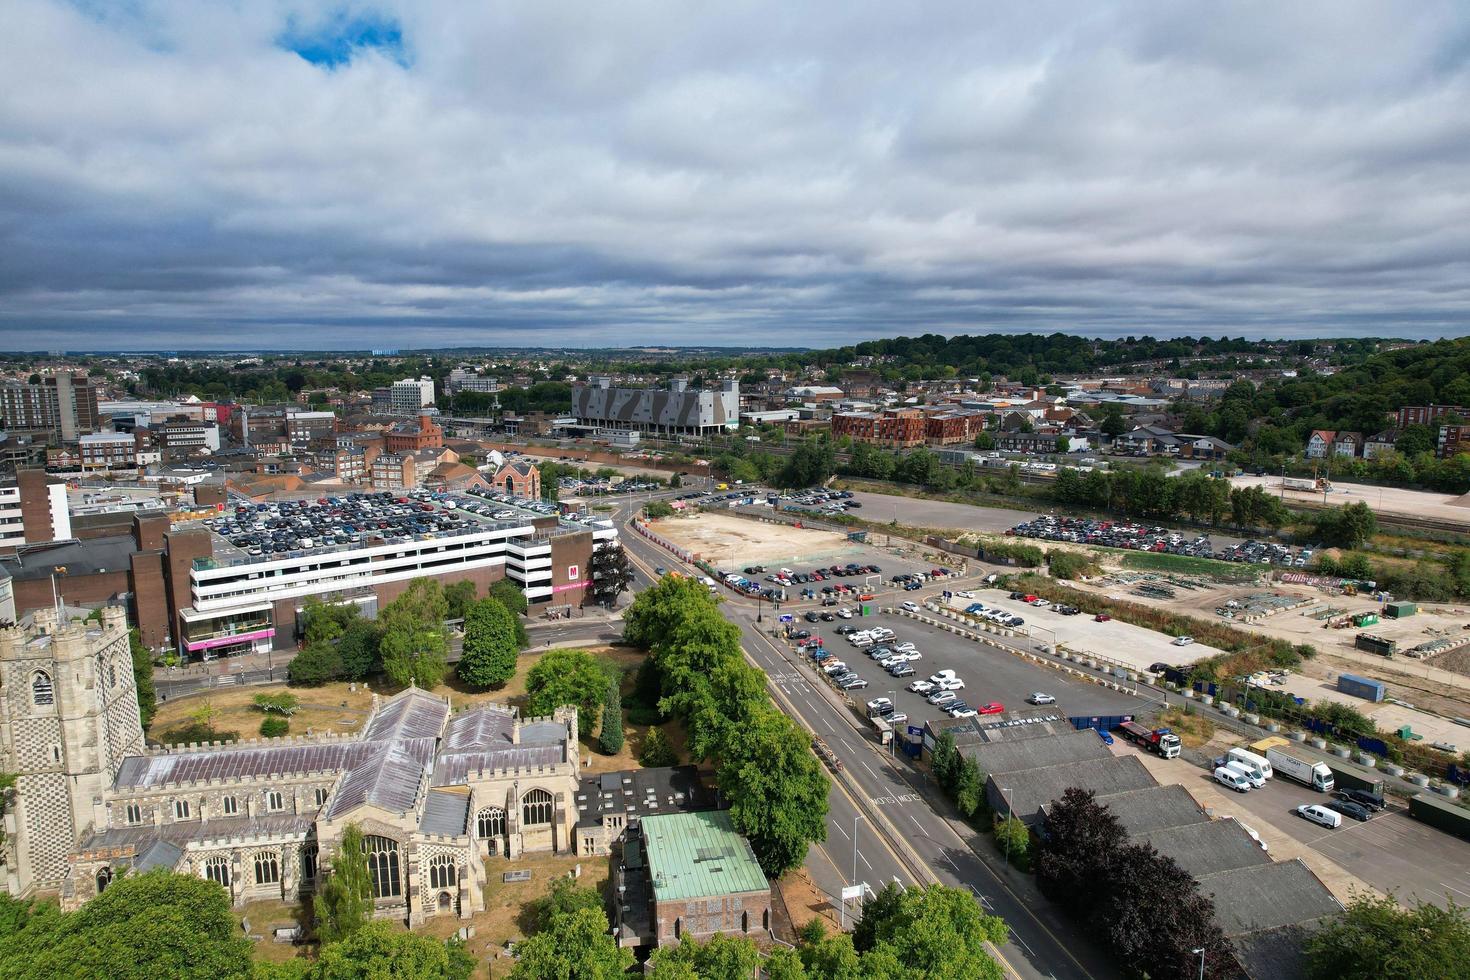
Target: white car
<point x="905" y="647"/>
<point x="844" y="612"/>
<point x="921" y="687"/>
<point x="964" y="713"/>
<point x="912" y="607"/>
<point x="942" y="675"/>
<point x="953" y="684"/>
<point x="1040" y="698"/>
<point x="1183" y="641"/>
<point x="963" y="595"/>
<point x="1041" y="603"/>
<point x="877" y="703"/>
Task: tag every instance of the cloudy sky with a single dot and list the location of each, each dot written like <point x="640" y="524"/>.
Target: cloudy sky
<point x="293" y="174"/>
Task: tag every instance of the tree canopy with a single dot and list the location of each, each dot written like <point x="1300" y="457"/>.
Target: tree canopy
<point x="564" y="677"/>
<point x="414" y="644"/>
<point x="1378" y="939"/>
<point x="491" y="645"/>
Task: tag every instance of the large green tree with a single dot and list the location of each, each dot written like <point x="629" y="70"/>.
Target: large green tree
<point x="575" y="946"/>
<point x="143" y="678"/>
<point x="776" y="787"/>
<point x="610" y="737"/>
<point x="1379" y="939"/>
<point x="510" y="595"/>
<point x="490" y="647"/>
<point x="936" y="932"/>
<point x="718" y="958"/>
<point x="458" y="597"/>
<point x="144" y="926"/>
<point x="657" y="611"/>
<point x="563" y="677"/>
<point x="414" y="643"/>
<point x="380" y="951"/>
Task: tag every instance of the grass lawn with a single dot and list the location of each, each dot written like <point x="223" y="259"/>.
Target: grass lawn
<point x="264" y="917"/>
<point x="1189" y="565"/>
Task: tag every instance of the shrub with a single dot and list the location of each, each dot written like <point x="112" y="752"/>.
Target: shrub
<point x="195" y="731"/>
<point x="656" y="750"/>
<point x="274" y="727"/>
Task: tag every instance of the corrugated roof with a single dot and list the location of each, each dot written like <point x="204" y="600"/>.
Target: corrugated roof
<point x="699" y="855"/>
<point x="220" y="828"/>
<point x="389" y="779"/>
<point x="480" y="728"/>
<point x="1033" y="753"/>
<point x="251" y="762"/>
<point x="411" y="714"/>
<point x="159" y="854"/>
<point x="445" y="813"/>
<point x="1029" y="789"/>
<point x="1267" y="896"/>
<point x="1142" y="810"/>
<point x="1206" y="848"/>
<point x="454" y="770"/>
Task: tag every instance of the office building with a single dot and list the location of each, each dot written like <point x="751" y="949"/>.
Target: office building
<point x="677" y="410"/>
<point x="411" y="396"/>
<point x="460" y="379"/>
<point x="62" y="407"/>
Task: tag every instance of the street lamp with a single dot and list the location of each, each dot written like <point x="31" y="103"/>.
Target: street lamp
<point x="856" y="817"/>
<point x="1201" y="954"/>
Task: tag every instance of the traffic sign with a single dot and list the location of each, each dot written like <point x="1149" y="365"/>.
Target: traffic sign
<point x="787" y="618"/>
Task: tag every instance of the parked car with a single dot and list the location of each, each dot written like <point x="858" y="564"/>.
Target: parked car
<point x="992" y="708"/>
<point x="1362" y="797"/>
<point x="1040" y="698"/>
<point x="1183" y="641"/>
<point x="1101" y="618"/>
<point x="942" y="697"/>
<point x="1232" y="779"/>
<point x="921" y="687"/>
<point x="912" y="607"/>
<point x="1319" y="815"/>
<point x="1348" y="808"/>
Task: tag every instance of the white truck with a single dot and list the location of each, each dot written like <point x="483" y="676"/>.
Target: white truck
<point x="1308" y="772"/>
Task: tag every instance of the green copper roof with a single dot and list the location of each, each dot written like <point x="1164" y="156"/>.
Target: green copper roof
<point x="698" y="855"/>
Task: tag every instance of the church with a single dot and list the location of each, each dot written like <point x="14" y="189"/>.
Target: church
<point x="434" y="791"/>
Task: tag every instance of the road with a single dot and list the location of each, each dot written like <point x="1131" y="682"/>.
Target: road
<point x="899" y="834"/>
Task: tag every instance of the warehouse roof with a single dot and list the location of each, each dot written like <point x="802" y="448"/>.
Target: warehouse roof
<point x="699" y="855"/>
<point x="1267" y="896"/>
<point x="1033" y="753"/>
<point x="1142" y="810"/>
<point x="1274" y="954"/>
<point x="1205" y="848"/>
<point x="1026" y="791"/>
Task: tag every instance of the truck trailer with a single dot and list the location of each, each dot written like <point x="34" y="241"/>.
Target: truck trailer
<point x="1310" y="484"/>
<point x="1308" y="772"/>
<point x="1160" y="741"/>
<point x="1441" y="813"/>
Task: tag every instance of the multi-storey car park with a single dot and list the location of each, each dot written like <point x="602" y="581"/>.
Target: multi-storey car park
<point x="264" y="559"/>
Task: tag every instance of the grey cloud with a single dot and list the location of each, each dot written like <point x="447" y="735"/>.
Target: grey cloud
<point x="762" y="173"/>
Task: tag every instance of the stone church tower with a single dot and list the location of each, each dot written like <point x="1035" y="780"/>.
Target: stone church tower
<point x="68" y="717"/>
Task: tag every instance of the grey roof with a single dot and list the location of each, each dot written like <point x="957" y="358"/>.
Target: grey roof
<point x="1033" y="753"/>
<point x="1205" y="848"/>
<point x="245" y="762"/>
<point x="479" y="728"/>
<point x="1142" y="810"/>
<point x="219" y="828"/>
<point x="445" y="813"/>
<point x="641" y="792"/>
<point x="159" y="854"/>
<point x="1275" y="954"/>
<point x="112" y="553"/>
<point x="455" y="770"/>
<point x="389" y="779"/>
<point x="412" y="714"/>
<point x="1027" y="790"/>
<point x="1267" y="896"/>
<point x="543" y="733"/>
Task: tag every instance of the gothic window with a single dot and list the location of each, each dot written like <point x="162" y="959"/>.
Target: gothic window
<point x="267" y="869"/>
<point x="321" y="796"/>
<point x="104" y="878"/>
<point x="536" y="808"/>
<point x="134" y="813"/>
<point x="181" y="809"/>
<point x="490" y="822"/>
<point x="230" y="806"/>
<point x="382" y="854"/>
<point x="217" y="869"/>
<point x="42" y="694"/>
<point x="442" y="872"/>
<point x="308" y="861"/>
<point x="273" y="801"/>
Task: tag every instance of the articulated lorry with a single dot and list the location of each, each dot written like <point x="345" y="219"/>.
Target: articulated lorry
<point x="1308" y="772"/>
<point x="1311" y="484"/>
<point x="1160" y="741"/>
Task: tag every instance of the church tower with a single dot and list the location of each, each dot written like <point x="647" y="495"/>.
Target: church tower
<point x="68" y="718"/>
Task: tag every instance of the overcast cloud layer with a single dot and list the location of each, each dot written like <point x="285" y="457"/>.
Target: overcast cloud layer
<point x="425" y="174"/>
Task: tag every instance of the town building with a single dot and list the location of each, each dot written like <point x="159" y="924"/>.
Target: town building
<point x="894" y="428"/>
<point x="1427" y="414"/>
<point x="61" y="408"/>
<point x="33" y="510"/>
<point x="107" y="451"/>
<point x="676" y="410"/>
<point x="1453" y="439"/>
<point x="411" y="396"/>
<point x="410" y="437"/>
<point x="394" y="471"/>
<point x="518" y="478"/>
<point x="1347" y="444"/>
<point x="460" y="379"/>
<point x="181" y="437"/>
<point x="1380" y="443"/>
<point x="1319" y="443"/>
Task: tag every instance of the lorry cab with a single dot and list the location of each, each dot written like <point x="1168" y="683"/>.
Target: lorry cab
<point x="1258" y="764"/>
<point x="1251" y="775"/>
<point x="1233" y="779"/>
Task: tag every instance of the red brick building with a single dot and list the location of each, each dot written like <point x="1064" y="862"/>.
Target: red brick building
<point x="410" y="437"/>
<point x="518" y="478"/>
<point x="896" y="428"/>
<point x="1426" y="414"/>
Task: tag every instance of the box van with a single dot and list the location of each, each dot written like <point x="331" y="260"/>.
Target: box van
<point x="1320" y="815"/>
<point x="1250" y="760"/>
<point x="1252" y="777"/>
<point x="1233" y="779"/>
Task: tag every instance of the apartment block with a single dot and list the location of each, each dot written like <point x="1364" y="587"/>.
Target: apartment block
<point x="62" y="407"/>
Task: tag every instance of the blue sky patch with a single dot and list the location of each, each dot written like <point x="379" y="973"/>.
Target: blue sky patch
<point x="339" y="39"/>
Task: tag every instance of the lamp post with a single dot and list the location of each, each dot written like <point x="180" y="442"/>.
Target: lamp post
<point x="1201" y="954"/>
<point x="856" y="817"/>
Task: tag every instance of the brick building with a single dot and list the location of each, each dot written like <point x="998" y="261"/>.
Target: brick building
<point x="410" y="437"/>
<point x="1427" y="414"/>
<point x="894" y="428"/>
<point x="518" y="478"/>
<point x="62" y="407"/>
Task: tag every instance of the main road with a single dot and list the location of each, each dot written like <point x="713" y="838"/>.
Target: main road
<point x="882" y="825"/>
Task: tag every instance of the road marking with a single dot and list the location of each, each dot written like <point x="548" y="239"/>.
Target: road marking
<point x="900" y="799"/>
<point x="1444" y="884"/>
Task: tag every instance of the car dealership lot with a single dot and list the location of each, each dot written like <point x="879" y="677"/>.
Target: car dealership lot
<point x="990" y="675"/>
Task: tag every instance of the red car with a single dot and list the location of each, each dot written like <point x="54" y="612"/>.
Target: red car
<point x="1101" y="618"/>
<point x="993" y="708"/>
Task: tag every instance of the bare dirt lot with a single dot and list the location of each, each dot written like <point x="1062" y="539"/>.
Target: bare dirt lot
<point x="734" y="542"/>
<point x="1389" y="500"/>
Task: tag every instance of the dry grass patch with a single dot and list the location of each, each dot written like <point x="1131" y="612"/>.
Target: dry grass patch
<point x="1192" y="728"/>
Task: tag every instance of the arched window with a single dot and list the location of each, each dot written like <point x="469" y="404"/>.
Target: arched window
<point x="133" y="813"/>
<point x="217" y="869"/>
<point x="42" y="693"/>
<point x="273" y="801"/>
<point x="744" y="921"/>
<point x="382" y="855"/>
<point x="111" y="673"/>
<point x="490" y="822"/>
<point x="536" y="808"/>
<point x="104" y="878"/>
<point x="308" y="862"/>
<point x="267" y="868"/>
<point x="442" y="872"/>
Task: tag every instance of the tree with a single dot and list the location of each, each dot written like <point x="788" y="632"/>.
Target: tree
<point x="656" y="612"/>
<point x="1013" y="838"/>
<point x="156" y="924"/>
<point x="944" y="762"/>
<point x="935" y="932"/>
<point x="1064" y="444"/>
<point x="490" y="648"/>
<point x="612" y="573"/>
<point x="459" y="596"/>
<point x="1113" y="424"/>
<point x="357" y="650"/>
<point x="274" y="727"/>
<point x="776" y="787"/>
<point x="655" y="509"/>
<point x="564" y="898"/>
<point x="143" y="678"/>
<point x="969" y="787"/>
<point x="325" y="622"/>
<point x="1378" y="938"/>
<point x="610" y="738"/>
<point x="344" y="902"/>
<point x="784" y="963"/>
<point x="1080" y="840"/>
<point x="576" y="945"/>
<point x="1347" y="527"/>
<point x="510" y="595"/>
<point x="564" y="677"/>
<point x="414" y="645"/>
<point x="657" y="750"/>
<point x="314" y="666"/>
<point x="984" y="441"/>
<point x="379" y="951"/>
<point x="720" y="957"/>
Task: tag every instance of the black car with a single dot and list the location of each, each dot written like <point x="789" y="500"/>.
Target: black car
<point x="1361" y="797"/>
<point x="845" y="629"/>
<point x="1350" y="809"/>
<point x="1018" y="595"/>
<point x="811" y="617"/>
<point x="801" y="634"/>
<point x="827" y="617"/>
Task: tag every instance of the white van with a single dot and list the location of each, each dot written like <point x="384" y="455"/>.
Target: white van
<point x="1251" y="761"/>
<point x="1233" y="779"/>
<point x="1330" y="819"/>
<point x="1251" y="776"/>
